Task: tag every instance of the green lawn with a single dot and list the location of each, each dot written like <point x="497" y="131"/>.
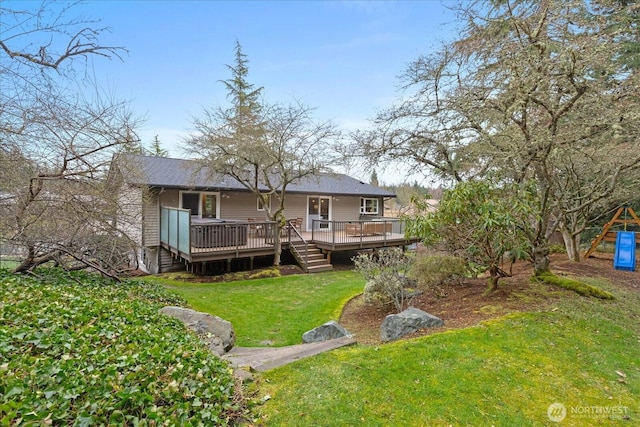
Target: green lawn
<point x="8" y="263"/>
<point x="584" y="354"/>
<point x="276" y="310"/>
<point x="83" y="351"/>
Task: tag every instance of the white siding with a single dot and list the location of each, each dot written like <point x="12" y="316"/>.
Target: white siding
<point x="240" y="206"/>
<point x="295" y="206"/>
<point x="150" y="220"/>
<point x="345" y="208"/>
<point x="129" y="218"/>
<point x="169" y="198"/>
<point x="243" y="205"/>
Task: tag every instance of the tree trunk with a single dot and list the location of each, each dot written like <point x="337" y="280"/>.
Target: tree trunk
<point x="571" y="244"/>
<point x="31" y="261"/>
<point x="27" y="263"/>
<point x="278" y="219"/>
<point x="277" y="241"/>
<point x="541" y="257"/>
<point x="492" y="283"/>
<point x="278" y="246"/>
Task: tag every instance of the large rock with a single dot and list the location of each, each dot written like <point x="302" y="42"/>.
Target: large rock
<point x="412" y="319"/>
<point x="328" y="331"/>
<point x="217" y="333"/>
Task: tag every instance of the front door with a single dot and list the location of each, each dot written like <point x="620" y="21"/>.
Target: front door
<point x="318" y="208"/>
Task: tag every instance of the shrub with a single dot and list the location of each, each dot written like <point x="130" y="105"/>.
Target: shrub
<point x="263" y="274"/>
<point x="386" y="275"/>
<point x="480" y="221"/>
<point x="83" y="351"/>
<point x="557" y="249"/>
<point x="438" y="272"/>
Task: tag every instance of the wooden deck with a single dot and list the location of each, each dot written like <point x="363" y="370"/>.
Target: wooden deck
<point x="342" y="242"/>
<point x="227" y="240"/>
<point x="258" y="246"/>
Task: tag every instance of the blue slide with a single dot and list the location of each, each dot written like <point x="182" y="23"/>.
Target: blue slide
<point x="625" y="255"/>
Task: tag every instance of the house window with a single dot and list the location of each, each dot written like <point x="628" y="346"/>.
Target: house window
<point x="209" y="205"/>
<point x="368" y="206"/>
<point x="191" y="201"/>
<point x="261" y="205"/>
<point x="203" y="205"/>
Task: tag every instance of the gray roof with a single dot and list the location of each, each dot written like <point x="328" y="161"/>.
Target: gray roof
<point x="188" y="174"/>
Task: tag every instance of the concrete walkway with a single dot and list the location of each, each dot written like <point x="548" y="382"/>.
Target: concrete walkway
<point x="265" y="358"/>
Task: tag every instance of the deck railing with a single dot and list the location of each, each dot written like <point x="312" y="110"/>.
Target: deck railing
<point x="348" y="232"/>
<point x="188" y="236"/>
<point x="181" y="233"/>
<point x="175" y="228"/>
<point x="298" y="245"/>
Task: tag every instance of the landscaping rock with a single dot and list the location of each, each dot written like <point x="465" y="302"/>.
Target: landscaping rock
<point x="328" y="331"/>
<point x="217" y="333"/>
<point x="410" y="320"/>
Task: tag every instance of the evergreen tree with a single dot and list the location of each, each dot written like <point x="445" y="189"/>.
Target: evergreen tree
<point x="156" y="148"/>
<point x="245" y="113"/>
<point x="374" y="179"/>
<point x="264" y="147"/>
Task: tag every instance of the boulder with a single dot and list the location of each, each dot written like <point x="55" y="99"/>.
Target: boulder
<point x="328" y="331"/>
<point x="410" y="320"/>
<point x="217" y="333"/>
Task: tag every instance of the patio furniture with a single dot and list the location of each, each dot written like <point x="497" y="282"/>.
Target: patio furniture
<point x="296" y="223"/>
<point x="256" y="229"/>
<point x="374" y="228"/>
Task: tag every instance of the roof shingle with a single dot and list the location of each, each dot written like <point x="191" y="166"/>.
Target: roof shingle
<point x="180" y="173"/>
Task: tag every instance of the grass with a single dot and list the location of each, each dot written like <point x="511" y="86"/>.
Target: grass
<point x="585" y="354"/>
<point x="8" y="263"/>
<point x="272" y="311"/>
<point x="79" y="350"/>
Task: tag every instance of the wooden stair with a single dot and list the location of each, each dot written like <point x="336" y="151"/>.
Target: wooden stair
<point x="310" y="258"/>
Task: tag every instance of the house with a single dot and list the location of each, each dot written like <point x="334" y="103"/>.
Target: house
<point x="182" y="217"/>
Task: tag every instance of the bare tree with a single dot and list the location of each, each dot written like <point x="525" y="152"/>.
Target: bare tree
<point x="528" y="85"/>
<point x="58" y="139"/>
<point x="63" y="38"/>
<point x="264" y="147"/>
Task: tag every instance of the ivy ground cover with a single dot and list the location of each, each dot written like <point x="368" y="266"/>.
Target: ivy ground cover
<point x="82" y="351"/>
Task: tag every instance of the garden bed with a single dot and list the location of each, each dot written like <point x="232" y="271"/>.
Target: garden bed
<point x="467" y="305"/>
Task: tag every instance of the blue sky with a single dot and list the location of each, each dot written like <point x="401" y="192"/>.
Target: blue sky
<point x="341" y="57"/>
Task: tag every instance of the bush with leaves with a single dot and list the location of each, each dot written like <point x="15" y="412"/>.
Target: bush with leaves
<point x="438" y="272"/>
<point x="386" y="272"/>
<point x="78" y="350"/>
<point x="480" y="222"/>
